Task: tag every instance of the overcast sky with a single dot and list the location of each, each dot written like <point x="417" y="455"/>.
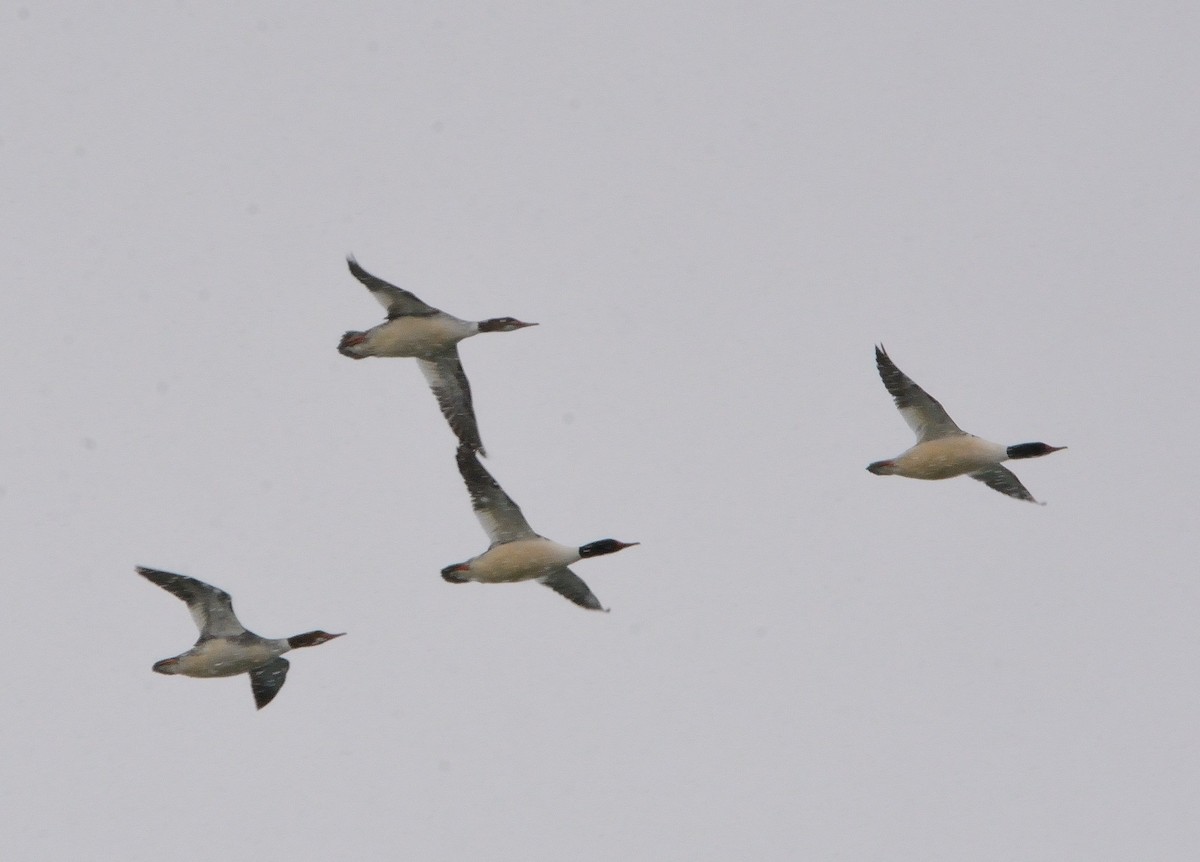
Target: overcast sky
<point x="714" y="210"/>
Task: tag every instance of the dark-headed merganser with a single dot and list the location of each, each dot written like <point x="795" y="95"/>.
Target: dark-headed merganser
<point x="517" y="553"/>
<point x="943" y="449"/>
<point x="225" y="647"/>
<point x="415" y="329"/>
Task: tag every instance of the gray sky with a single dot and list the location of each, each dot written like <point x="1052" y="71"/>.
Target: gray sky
<point x="714" y="210"/>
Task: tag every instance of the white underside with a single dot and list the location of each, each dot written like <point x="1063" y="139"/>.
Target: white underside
<point x="948" y="457"/>
<point x="417" y="336"/>
<point x="220" y="657"/>
<point x="520" y="561"/>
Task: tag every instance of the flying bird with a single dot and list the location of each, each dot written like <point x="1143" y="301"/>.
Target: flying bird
<point x="225" y="647"/>
<point x="517" y="553"/>
<point x="415" y="329"/>
<point x="943" y="449"/>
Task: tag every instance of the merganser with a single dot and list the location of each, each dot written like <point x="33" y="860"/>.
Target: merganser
<point x="416" y="329"/>
<point x="943" y="449"/>
<point x="517" y="553"/>
<point x="225" y="647"/>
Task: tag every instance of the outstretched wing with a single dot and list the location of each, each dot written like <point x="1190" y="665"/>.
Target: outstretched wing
<point x="924" y="415"/>
<point x="566" y="583"/>
<point x="448" y="381"/>
<point x="1004" y="481"/>
<point x="267" y="679"/>
<point x="397" y="301"/>
<point x="500" y="516"/>
<point x="211" y="608"/>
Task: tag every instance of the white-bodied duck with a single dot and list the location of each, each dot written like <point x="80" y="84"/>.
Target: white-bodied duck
<point x="225" y="647"/>
<point x="415" y="329"/>
<point x="943" y="449"/>
<point x="517" y="553"/>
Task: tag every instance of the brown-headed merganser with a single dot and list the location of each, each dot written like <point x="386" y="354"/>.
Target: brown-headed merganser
<point x="416" y="329"/>
<point x="943" y="449"/>
<point x="225" y="647"/>
<point x="517" y="553"/>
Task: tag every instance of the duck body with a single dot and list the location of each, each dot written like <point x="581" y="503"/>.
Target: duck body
<point x="943" y="450"/>
<point x="943" y="458"/>
<point x="225" y="646"/>
<point x="416" y="330"/>
<point x="522" y="560"/>
<point x="214" y="657"/>
<point x="517" y="553"/>
<point x="412" y="337"/>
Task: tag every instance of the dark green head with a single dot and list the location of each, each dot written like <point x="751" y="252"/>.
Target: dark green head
<point x="604" y="546"/>
<point x="1031" y="450"/>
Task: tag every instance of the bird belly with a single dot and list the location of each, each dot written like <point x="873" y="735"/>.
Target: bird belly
<point x="520" y="561"/>
<point x="416" y="336"/>
<point x="220" y="657"/>
<point x="948" y="457"/>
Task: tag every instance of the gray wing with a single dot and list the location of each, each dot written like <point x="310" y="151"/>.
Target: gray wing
<point x="211" y="608"/>
<point x="267" y="679"/>
<point x="500" y="516"/>
<point x="398" y="302"/>
<point x="448" y="381"/>
<point x="1004" y="481"/>
<point x="566" y="583"/>
<point x="924" y="415"/>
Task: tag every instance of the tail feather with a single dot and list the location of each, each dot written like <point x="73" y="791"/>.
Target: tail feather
<point x="350" y="345"/>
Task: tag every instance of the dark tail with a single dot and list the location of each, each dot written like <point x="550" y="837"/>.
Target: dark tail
<point x="349" y="341"/>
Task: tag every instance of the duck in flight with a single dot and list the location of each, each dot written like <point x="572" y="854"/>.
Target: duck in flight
<point x="225" y="647"/>
<point x="416" y="329"/>
<point x="517" y="553"/>
<point x="943" y="449"/>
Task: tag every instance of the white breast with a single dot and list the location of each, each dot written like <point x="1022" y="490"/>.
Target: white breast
<point x="949" y="456"/>
<point x="521" y="561"/>
<point x="418" y="336"/>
